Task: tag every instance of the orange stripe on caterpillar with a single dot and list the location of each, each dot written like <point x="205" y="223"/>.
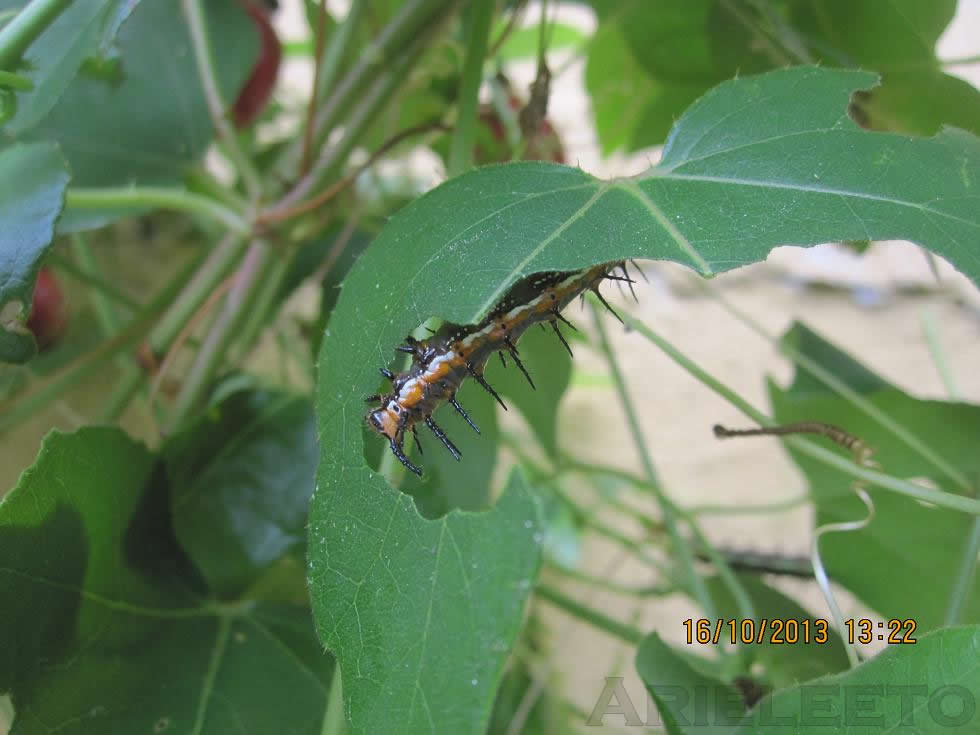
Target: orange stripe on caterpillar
<point x="455" y="352"/>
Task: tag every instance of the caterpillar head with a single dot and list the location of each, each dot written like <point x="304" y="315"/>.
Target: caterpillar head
<point x="386" y="418"/>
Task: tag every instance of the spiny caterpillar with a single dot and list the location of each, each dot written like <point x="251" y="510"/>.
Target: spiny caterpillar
<point x="455" y="352"/>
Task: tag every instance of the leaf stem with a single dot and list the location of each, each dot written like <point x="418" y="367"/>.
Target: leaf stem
<point x="340" y="41"/>
<point x="965" y="577"/>
<point x="156" y="197"/>
<point x="817" y="370"/>
<point x="28" y="24"/>
<point x="624" y="632"/>
<point x="612" y="586"/>
<point x="104" y="308"/>
<point x="319" y="32"/>
<point x="370" y="105"/>
<point x="694" y="580"/>
<point x="844" y="464"/>
<point x="938" y="354"/>
<point x="197" y="28"/>
<point x="225" y="329"/>
<point x="461" y="145"/>
<point x="12" y="412"/>
<point x="219" y="263"/>
<point x="91" y="279"/>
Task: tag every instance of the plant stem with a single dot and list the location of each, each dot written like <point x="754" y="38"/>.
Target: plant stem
<point x="844" y="464"/>
<point x="213" y="271"/>
<point x="104" y="309"/>
<point x="197" y="28"/>
<point x="624" y="632"/>
<point x="611" y="586"/>
<point x="965" y="576"/>
<point x="732" y="510"/>
<point x="369" y="107"/>
<point x="340" y="41"/>
<point x="131" y="375"/>
<point x="931" y="331"/>
<point x="152" y="197"/>
<point x="225" y="329"/>
<point x="461" y="145"/>
<point x="321" y="29"/>
<point x="121" y="396"/>
<point x="817" y="370"/>
<point x="28" y="24"/>
<point x="694" y="580"/>
<point x="403" y="30"/>
<point x="12" y="412"/>
<point x="91" y="279"/>
<point x="265" y="301"/>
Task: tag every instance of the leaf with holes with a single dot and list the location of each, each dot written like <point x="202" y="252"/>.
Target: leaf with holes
<point x="107" y="626"/>
<point x="757" y="162"/>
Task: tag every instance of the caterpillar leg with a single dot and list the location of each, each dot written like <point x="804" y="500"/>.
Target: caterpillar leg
<point x="397" y="450"/>
<point x="443" y="438"/>
<point x="461" y="412"/>
<point x="629" y="280"/>
<point x="605" y="303"/>
<point x="478" y="377"/>
<point x="512" y="348"/>
<point x="554" y="326"/>
<point x="558" y="315"/>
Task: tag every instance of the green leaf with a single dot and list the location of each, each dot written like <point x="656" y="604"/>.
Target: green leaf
<point x="85" y="28"/>
<point x="32" y="193"/>
<point x="684" y="696"/>
<point x="632" y="110"/>
<point x="148" y="128"/>
<point x="104" y="624"/>
<point x="667" y="59"/>
<point x="929" y="687"/>
<point x="899" y="39"/>
<point x="421" y="614"/>
<point x="881" y="36"/>
<point x="663" y="62"/>
<point x="905" y="539"/>
<point x="920" y="101"/>
<point x="243" y="477"/>
<point x="787" y="663"/>
<point x="732" y="186"/>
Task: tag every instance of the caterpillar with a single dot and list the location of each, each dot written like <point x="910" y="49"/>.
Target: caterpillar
<point x="456" y="352"/>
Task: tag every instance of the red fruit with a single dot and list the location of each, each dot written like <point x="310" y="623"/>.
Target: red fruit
<point x="255" y="93"/>
<point x="49" y="313"/>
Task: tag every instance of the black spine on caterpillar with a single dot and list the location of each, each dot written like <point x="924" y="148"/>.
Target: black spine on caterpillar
<point x="443" y="361"/>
